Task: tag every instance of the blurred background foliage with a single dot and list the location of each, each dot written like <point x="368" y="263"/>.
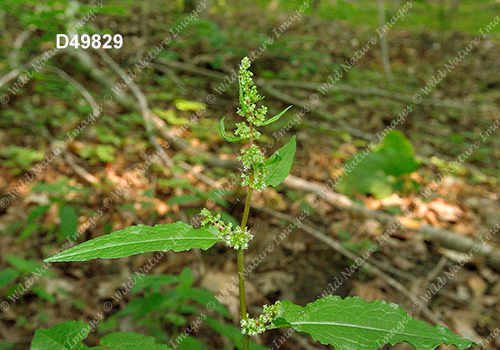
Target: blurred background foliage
<point x="97" y="163"/>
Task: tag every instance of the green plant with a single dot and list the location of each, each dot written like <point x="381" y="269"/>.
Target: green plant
<point x="167" y="302"/>
<point x="382" y="171"/>
<point x="350" y="323"/>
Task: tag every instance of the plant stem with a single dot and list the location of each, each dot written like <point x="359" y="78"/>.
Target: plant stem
<point x="241" y="263"/>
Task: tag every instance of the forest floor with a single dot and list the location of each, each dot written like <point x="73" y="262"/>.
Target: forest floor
<point x="460" y="289"/>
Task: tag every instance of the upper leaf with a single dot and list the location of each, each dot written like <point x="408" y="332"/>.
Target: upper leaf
<point x="64" y="336"/>
<point x="129" y="340"/>
<point x="354" y="324"/>
<point x="224" y="135"/>
<point x="279" y="164"/>
<point x="140" y="239"/>
<point x="276" y="117"/>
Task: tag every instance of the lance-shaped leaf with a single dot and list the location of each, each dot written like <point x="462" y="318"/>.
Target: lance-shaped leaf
<point x="279" y="164"/>
<point x="129" y="340"/>
<point x="64" y="336"/>
<point x="140" y="239"/>
<point x="354" y="324"/>
<point x="276" y="117"/>
<point x="224" y="135"/>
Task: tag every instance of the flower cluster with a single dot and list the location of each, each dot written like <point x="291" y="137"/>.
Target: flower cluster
<point x="235" y="238"/>
<point x="253" y="158"/>
<point x="254" y="326"/>
<point x="248" y="99"/>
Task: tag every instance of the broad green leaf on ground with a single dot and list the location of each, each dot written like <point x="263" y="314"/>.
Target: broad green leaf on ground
<point x="32" y="266"/>
<point x="191" y="343"/>
<point x="224" y="135"/>
<point x="204" y="298"/>
<point x="140" y="239"/>
<point x="184" y="105"/>
<point x="8" y="275"/>
<point x="398" y="155"/>
<point x="280" y="163"/>
<point x="354" y="324"/>
<point x="69" y="221"/>
<point x="129" y="340"/>
<point x="276" y="117"/>
<point x="64" y="336"/>
<point x="376" y="172"/>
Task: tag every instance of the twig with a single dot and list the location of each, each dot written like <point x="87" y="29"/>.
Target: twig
<point x="85" y="93"/>
<point x="143" y="105"/>
<point x="87" y="63"/>
<point x="210" y="182"/>
<point x="352" y="256"/>
<point x="384" y="266"/>
<point x="446" y="238"/>
<point x="190" y="68"/>
<point x="143" y="19"/>
<point x="84" y="174"/>
<point x="383" y="41"/>
<point x="18" y="43"/>
<point x="16" y="71"/>
<point x="431" y="276"/>
<point x="171" y="74"/>
<point x="320" y="112"/>
<point x="372" y="91"/>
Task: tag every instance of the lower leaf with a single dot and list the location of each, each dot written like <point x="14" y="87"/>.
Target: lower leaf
<point x="64" y="336"/>
<point x="178" y="237"/>
<point x="354" y="324"/>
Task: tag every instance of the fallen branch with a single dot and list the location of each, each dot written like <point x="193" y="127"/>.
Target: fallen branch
<point x="16" y="71"/>
<point x="446" y="238"/>
<point x="353" y="256"/>
<point x="364" y="91"/>
<point x="79" y="87"/>
<point x="84" y="174"/>
<point x="320" y="112"/>
<point x="18" y="43"/>
<point x="143" y="106"/>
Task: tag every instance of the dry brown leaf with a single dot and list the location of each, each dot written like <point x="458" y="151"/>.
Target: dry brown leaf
<point x="373" y="290"/>
<point x="477" y="285"/>
<point x="274" y="200"/>
<point x="445" y="211"/>
<point x="410" y="223"/>
<point x="432" y="218"/>
<point x="464" y="323"/>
